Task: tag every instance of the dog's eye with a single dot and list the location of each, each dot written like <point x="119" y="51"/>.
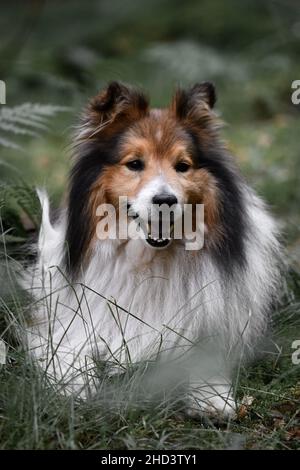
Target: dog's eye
<point x="135" y="165"/>
<point x="182" y="167"/>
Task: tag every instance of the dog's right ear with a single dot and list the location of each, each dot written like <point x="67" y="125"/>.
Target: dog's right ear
<point x="194" y="102"/>
<point x="113" y="108"/>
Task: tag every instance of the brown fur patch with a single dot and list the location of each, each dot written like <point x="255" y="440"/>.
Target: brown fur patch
<point x="160" y="142"/>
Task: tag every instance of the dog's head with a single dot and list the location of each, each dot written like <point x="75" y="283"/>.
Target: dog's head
<point x="156" y="158"/>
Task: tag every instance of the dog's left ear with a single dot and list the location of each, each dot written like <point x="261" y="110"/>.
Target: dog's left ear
<point x="200" y="98"/>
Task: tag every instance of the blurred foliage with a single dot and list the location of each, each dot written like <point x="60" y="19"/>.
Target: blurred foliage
<point x="25" y="120"/>
<point x="63" y="52"/>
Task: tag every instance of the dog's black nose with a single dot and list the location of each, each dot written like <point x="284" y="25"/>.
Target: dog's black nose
<point x="164" y="198"/>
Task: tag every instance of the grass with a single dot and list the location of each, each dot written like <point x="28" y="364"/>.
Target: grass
<point x="33" y="417"/>
<point x="124" y="415"/>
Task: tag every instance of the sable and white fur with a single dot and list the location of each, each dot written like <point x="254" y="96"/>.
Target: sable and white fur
<point x="129" y="303"/>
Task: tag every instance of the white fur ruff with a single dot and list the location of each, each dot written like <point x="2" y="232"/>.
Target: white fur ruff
<point x="133" y="303"/>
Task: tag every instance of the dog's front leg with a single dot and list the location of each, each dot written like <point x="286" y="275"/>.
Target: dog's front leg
<point x="210" y="389"/>
<point x="212" y="397"/>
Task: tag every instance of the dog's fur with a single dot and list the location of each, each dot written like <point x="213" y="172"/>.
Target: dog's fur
<point x="122" y="300"/>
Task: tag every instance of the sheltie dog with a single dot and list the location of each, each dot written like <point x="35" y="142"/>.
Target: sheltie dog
<point x="125" y="299"/>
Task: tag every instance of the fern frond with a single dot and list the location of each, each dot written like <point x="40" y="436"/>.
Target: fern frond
<point x="27" y="119"/>
<point x="20" y="214"/>
<point x="8" y="143"/>
<point x="22" y="197"/>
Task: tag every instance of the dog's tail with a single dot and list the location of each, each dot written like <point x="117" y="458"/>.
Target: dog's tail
<point x="50" y="240"/>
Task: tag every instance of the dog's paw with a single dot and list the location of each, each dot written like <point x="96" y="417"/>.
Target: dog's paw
<point x="219" y="407"/>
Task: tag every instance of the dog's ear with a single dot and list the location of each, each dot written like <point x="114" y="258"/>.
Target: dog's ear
<point x="113" y="108"/>
<point x="195" y="102"/>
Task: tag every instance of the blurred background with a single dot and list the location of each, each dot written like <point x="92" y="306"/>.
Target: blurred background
<point x="61" y="53"/>
<point x="54" y="55"/>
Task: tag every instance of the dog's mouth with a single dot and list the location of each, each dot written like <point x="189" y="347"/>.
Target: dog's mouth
<point x="155" y="238"/>
<point x="157" y="233"/>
